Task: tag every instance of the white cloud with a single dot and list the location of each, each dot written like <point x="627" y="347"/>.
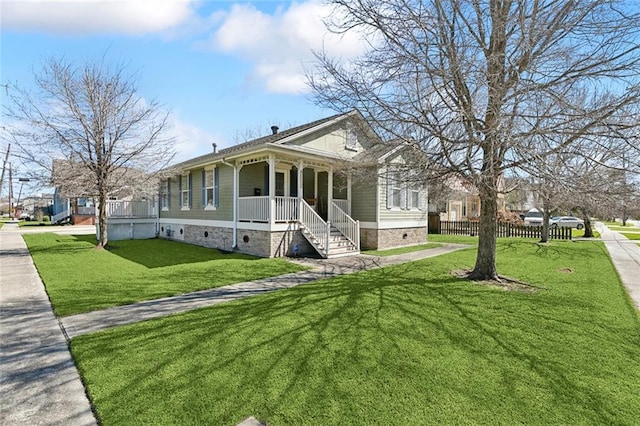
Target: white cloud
<point x="192" y="141"/>
<point x="95" y="16"/>
<point x="279" y="44"/>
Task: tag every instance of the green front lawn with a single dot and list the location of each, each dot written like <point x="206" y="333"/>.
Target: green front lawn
<point x="624" y="228"/>
<point x="81" y="278"/>
<point x="635" y="236"/>
<point x="404" y="345"/>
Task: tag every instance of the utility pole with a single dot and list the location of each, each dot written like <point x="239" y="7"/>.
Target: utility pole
<point x="10" y="191"/>
<point x="4" y="166"/>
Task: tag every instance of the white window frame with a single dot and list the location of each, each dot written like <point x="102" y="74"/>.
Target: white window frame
<point x="185" y="191"/>
<point x="394" y="190"/>
<point x="164" y="195"/>
<point x="351" y="138"/>
<point x="210" y="203"/>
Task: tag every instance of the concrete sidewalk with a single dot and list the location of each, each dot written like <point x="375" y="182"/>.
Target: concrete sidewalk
<point x="625" y="255"/>
<point x="39" y="382"/>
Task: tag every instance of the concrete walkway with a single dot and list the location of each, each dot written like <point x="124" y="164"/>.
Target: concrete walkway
<point x="625" y="255"/>
<point x="90" y="322"/>
<point x="39" y="382"/>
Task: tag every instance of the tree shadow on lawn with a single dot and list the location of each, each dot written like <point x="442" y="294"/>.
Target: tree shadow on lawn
<point x="159" y="253"/>
<point x="353" y="348"/>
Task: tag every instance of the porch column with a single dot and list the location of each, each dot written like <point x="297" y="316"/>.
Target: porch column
<point x="349" y="194"/>
<point x="300" y="188"/>
<point x="272" y="189"/>
<point x="329" y="194"/>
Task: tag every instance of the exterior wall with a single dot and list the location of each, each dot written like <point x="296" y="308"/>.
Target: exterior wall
<point x="140" y="229"/>
<point x="380" y="239"/>
<point x="209" y="236"/>
<point x="253" y="176"/>
<point x="224" y="211"/>
<point x="363" y="201"/>
<point x="331" y="139"/>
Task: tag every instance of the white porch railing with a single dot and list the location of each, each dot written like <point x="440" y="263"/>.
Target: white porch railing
<point x="120" y="208"/>
<point x="344" y="205"/>
<point x="58" y="217"/>
<point x="344" y="223"/>
<point x="257" y="209"/>
<point x="286" y="209"/>
<point x="317" y="227"/>
<point x="253" y="208"/>
<point x="86" y="211"/>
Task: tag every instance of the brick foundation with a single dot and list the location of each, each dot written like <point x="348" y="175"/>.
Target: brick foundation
<point x="380" y="239"/>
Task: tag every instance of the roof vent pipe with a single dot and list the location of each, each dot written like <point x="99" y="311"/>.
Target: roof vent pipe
<point x="274" y="129"/>
<point x="215" y="147"/>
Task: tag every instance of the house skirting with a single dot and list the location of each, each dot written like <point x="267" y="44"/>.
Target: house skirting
<point x="83" y="219"/>
<point x="380" y="239"/>
<point x="130" y="228"/>
<point x="263" y="243"/>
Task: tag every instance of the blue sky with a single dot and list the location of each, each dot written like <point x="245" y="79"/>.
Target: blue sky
<point x="222" y="68"/>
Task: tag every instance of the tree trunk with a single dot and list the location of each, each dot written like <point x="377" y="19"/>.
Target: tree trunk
<point x="102" y="220"/>
<point x="588" y="229"/>
<point x="545" y="225"/>
<point x="485" y="268"/>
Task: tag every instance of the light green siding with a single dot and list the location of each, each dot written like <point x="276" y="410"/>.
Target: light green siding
<point x="252" y="176"/>
<point x="224" y="211"/>
<point x="363" y="201"/>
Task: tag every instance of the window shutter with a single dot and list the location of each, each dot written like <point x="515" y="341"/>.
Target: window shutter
<point x="169" y="193"/>
<point x="389" y="189"/>
<point x="180" y="189"/>
<point x="216" y="187"/>
<point x="190" y="188"/>
<point x="421" y="197"/>
<point x="204" y="189"/>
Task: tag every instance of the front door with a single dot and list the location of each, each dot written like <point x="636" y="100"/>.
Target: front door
<point x="281" y="183"/>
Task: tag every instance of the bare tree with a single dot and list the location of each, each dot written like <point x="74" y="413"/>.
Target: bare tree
<point x="92" y="117"/>
<point x="477" y="82"/>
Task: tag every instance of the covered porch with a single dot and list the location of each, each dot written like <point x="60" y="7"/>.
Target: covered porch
<point x="307" y="195"/>
<point x="272" y="189"/>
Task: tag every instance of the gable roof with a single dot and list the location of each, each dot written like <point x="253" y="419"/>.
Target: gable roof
<point x="278" y="138"/>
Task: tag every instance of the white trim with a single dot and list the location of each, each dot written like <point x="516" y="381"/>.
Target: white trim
<point x="394" y="225"/>
<point x="249" y="226"/>
<point x="164" y="209"/>
<point x="197" y="222"/>
<point x="185" y="208"/>
<point x="210" y="208"/>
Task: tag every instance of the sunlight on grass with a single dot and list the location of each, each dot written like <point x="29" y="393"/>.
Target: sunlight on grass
<point x="402" y="250"/>
<point x="402" y="345"/>
<point x="80" y="278"/>
<point x="631" y="236"/>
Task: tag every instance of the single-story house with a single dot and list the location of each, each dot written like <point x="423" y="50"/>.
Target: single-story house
<point x="297" y="192"/>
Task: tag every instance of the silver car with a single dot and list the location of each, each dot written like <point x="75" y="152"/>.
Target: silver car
<point x="566" y="221"/>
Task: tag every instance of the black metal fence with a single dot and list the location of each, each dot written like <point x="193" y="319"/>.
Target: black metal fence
<point x="504" y="230"/>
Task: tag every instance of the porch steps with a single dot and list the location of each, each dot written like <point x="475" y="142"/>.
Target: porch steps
<point x="339" y="245"/>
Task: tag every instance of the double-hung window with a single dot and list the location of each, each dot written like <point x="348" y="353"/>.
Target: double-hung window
<point x="403" y="191"/>
<point x="165" y="195"/>
<point x="185" y="191"/>
<point x="394" y="190"/>
<point x="351" y="141"/>
<point x="210" y="195"/>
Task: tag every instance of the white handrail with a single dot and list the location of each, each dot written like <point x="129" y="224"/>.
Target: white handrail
<point x="344" y="223"/>
<point x="56" y="217"/>
<point x="126" y="208"/>
<point x="317" y="227"/>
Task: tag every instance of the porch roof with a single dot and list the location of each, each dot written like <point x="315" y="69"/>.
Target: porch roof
<point x="273" y="140"/>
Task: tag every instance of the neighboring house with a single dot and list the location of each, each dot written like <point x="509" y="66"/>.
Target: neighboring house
<point x="288" y="193"/>
<point x="75" y="195"/>
<point x="463" y="200"/>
